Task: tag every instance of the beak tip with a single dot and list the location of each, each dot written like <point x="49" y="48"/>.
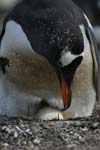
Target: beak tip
<point x="66" y="106"/>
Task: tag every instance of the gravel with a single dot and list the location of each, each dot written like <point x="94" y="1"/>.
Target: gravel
<point x="32" y="134"/>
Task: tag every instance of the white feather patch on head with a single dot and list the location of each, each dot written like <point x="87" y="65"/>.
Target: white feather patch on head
<point x="67" y="57"/>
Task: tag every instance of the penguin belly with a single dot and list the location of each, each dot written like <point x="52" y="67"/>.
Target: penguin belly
<point x="27" y="82"/>
<point x="84" y="95"/>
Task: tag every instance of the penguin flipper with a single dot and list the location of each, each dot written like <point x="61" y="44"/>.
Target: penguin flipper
<point x="94" y="52"/>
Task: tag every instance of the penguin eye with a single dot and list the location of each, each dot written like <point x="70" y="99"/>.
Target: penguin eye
<point x="67" y="58"/>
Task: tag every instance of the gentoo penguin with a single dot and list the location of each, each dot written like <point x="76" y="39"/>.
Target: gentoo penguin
<point x="48" y="61"/>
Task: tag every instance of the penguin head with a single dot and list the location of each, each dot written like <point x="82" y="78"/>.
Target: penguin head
<point x="67" y="66"/>
<point x="61" y="42"/>
<point x="65" y="56"/>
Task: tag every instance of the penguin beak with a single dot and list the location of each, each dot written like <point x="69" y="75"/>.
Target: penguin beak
<point x="66" y="93"/>
<point x="66" y="76"/>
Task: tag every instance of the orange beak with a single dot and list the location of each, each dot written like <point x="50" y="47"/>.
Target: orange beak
<point x="65" y="93"/>
<point x="66" y="76"/>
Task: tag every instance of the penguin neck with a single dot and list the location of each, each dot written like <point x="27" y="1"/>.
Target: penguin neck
<point x="83" y="92"/>
<point x="84" y="73"/>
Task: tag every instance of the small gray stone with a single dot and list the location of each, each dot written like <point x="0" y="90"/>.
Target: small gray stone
<point x="36" y="141"/>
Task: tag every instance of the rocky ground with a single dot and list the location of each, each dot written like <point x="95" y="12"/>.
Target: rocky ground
<point x="30" y="134"/>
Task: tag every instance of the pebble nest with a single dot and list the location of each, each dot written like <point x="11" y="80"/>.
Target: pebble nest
<point x="32" y="134"/>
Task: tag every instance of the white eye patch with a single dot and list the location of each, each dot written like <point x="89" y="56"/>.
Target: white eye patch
<point x="68" y="57"/>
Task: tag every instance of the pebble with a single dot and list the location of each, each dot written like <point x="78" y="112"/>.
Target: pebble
<point x="5" y="144"/>
<point x="95" y="125"/>
<point x="36" y="141"/>
<point x="71" y="145"/>
<point x="81" y="139"/>
<point x="15" y="134"/>
<point x="84" y="129"/>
